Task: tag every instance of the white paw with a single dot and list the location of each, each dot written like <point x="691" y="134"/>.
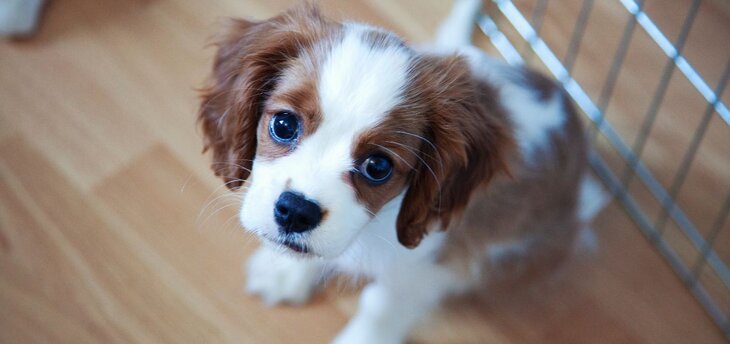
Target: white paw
<point x="278" y="278"/>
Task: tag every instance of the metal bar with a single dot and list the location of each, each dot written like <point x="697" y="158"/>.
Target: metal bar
<point x="577" y="37"/>
<point x="499" y="40"/>
<point x="682" y="64"/>
<point x="538" y="15"/>
<point x="593" y="112"/>
<point x="658" y="99"/>
<point x="714" y="232"/>
<point x="613" y="73"/>
<point x="689" y="155"/>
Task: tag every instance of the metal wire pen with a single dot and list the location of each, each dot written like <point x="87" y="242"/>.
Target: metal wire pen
<point x="619" y="182"/>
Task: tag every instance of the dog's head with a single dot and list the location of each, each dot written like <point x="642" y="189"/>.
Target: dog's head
<point x="324" y="123"/>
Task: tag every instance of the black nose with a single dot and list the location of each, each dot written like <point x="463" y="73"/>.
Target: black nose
<point x="295" y="214"/>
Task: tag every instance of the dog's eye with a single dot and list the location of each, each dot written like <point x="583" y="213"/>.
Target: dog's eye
<point x="376" y="169"/>
<point x="284" y="127"/>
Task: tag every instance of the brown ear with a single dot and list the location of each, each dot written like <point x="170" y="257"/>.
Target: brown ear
<point x="468" y="139"/>
<point x="249" y="59"/>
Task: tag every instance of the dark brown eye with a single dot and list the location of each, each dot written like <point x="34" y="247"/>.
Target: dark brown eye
<point x="284" y="127"/>
<point x="376" y="169"/>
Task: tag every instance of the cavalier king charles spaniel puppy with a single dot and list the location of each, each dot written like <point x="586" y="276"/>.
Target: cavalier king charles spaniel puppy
<point x="427" y="170"/>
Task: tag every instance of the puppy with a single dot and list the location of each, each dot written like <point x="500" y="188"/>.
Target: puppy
<point x="424" y="169"/>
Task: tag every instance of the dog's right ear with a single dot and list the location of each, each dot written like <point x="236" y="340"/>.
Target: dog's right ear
<point x="229" y="123"/>
<point x="465" y="144"/>
<point x="249" y="59"/>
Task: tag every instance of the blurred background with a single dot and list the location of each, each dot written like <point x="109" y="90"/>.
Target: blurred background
<point x="113" y="229"/>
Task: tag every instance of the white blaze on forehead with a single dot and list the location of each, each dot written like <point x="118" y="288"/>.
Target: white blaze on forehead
<point x="359" y="84"/>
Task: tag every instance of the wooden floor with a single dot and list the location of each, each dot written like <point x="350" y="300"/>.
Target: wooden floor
<point x="113" y="230"/>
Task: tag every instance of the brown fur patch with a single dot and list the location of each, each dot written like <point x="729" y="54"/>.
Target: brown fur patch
<point x="466" y="138"/>
<point x="250" y="58"/>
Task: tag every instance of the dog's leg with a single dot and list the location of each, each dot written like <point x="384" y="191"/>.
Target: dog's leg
<point x="456" y="29"/>
<point x="280" y="278"/>
<point x="390" y="306"/>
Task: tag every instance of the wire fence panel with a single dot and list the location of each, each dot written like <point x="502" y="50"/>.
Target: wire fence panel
<point x="655" y="203"/>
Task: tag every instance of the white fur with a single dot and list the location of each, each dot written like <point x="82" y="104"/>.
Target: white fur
<point x="376" y="249"/>
<point x="533" y="120"/>
<point x="19" y="17"/>
<point x="281" y="278"/>
<point x="504" y="251"/>
<point x="359" y="85"/>
<point x="591" y="200"/>
<point x="391" y="305"/>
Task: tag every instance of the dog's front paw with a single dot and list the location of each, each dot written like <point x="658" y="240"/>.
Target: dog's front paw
<point x="278" y="278"/>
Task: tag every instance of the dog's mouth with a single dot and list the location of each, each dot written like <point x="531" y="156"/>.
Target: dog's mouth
<point x="295" y="246"/>
<point x="290" y="243"/>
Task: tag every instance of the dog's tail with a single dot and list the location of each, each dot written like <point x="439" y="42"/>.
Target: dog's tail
<point x="592" y="199"/>
<point x="456" y="29"/>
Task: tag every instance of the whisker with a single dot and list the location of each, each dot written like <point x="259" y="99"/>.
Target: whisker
<point x="371" y="213"/>
<point x="421" y="159"/>
<point x="435" y="178"/>
<point x="435" y="149"/>
<point x="384" y="239"/>
<point x="411" y="149"/>
<point x="211" y="202"/>
<point x="223" y="185"/>
<point x="232" y="164"/>
<point x="187" y="180"/>
<point x="202" y="223"/>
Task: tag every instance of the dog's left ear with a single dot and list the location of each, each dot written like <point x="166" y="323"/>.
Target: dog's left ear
<point x="467" y="144"/>
<point x="248" y="61"/>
